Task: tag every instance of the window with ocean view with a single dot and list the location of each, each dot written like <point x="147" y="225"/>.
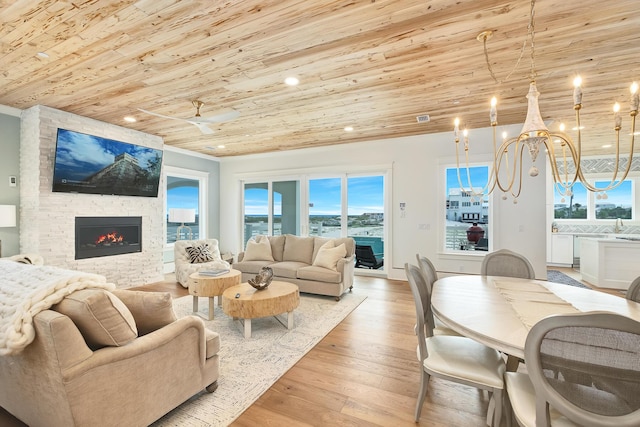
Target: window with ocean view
<point x="185" y="190"/>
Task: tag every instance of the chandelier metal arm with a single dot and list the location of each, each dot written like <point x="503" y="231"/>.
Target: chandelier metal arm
<point x="535" y="135"/>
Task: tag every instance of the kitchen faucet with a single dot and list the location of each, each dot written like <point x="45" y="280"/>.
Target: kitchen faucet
<point x="618" y="226"/>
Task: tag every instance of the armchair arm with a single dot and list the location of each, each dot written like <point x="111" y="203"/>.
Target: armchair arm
<point x="141" y="345"/>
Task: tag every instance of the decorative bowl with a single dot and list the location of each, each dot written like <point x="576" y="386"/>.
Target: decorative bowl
<point x="263" y="279"/>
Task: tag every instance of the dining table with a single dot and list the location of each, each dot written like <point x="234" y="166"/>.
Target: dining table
<point x="499" y="311"/>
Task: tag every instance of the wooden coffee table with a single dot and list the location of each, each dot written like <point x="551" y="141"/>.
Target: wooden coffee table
<point x="278" y="298"/>
<point x="201" y="285"/>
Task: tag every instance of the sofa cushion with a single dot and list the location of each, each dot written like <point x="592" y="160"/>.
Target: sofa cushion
<point x="151" y="310"/>
<point x="277" y="247"/>
<point x="319" y="274"/>
<point x="251" y="266"/>
<point x="329" y="255"/>
<point x="298" y="249"/>
<point x="287" y="269"/>
<point x="258" y="250"/>
<point x="199" y="253"/>
<point x="102" y="319"/>
<point x="318" y="242"/>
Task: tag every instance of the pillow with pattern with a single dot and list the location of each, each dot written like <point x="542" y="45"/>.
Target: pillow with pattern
<point x="199" y="254"/>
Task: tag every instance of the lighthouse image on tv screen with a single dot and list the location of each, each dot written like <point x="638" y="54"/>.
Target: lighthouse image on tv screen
<point x="95" y="165"/>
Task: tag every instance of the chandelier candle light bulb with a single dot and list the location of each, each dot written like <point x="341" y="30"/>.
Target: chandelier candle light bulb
<point x="616" y="116"/>
<point x="493" y="114"/>
<point x="577" y="91"/>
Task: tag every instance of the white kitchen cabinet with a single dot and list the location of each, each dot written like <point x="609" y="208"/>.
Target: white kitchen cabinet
<point x="609" y="263"/>
<point x="561" y="249"/>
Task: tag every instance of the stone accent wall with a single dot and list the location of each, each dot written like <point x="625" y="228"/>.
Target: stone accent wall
<point x="47" y="219"/>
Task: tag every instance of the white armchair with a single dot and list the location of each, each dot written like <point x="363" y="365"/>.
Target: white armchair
<point x="191" y="256"/>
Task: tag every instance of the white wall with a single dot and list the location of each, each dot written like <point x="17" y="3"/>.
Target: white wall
<point x="417" y="181"/>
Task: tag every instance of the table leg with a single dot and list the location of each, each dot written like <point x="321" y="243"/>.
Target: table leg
<point x="247" y="328"/>
<point x="211" y="305"/>
<point x="195" y="304"/>
<point x="290" y="320"/>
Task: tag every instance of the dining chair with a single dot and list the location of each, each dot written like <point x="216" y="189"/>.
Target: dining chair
<point x="633" y="293"/>
<point x="430" y="276"/>
<point x="583" y="370"/>
<point x="505" y="262"/>
<point x="453" y="358"/>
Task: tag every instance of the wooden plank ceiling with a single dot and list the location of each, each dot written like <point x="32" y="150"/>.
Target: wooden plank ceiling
<point x="371" y="64"/>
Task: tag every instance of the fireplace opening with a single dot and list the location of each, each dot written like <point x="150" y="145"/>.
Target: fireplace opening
<point x="106" y="236"/>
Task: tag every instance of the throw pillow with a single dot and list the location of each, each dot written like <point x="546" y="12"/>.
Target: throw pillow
<point x="151" y="310"/>
<point x="199" y="254"/>
<point x="102" y="319"/>
<point x="329" y="255"/>
<point x="258" y="250"/>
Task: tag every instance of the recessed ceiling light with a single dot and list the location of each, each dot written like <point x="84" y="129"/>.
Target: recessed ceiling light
<point x="42" y="55"/>
<point x="348" y="129"/>
<point x="291" y="81"/>
<point x="130" y="119"/>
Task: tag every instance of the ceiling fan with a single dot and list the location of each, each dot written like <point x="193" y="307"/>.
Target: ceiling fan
<point x="199" y="121"/>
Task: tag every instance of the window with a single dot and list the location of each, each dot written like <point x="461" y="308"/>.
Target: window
<point x="573" y="206"/>
<point x="618" y="204"/>
<point x="582" y="204"/>
<point x="467" y="216"/>
<point x="271" y="208"/>
<point x="185" y="189"/>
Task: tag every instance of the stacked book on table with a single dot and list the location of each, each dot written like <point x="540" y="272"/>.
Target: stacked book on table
<point x="216" y="272"/>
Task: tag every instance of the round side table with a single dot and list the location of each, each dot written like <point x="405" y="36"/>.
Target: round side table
<point x="201" y="285"/>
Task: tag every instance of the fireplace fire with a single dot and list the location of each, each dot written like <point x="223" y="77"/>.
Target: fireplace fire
<point x="106" y="236"/>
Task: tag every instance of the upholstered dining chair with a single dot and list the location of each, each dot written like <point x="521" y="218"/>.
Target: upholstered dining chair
<point x="504" y="262"/>
<point x="453" y="358"/>
<point x="583" y="370"/>
<point x="633" y="293"/>
<point x="430" y="276"/>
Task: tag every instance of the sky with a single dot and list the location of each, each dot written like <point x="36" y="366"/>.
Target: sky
<point x="478" y="175"/>
<point x="365" y="195"/>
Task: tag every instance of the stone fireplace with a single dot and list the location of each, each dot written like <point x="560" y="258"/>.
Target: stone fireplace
<point x="48" y="219"/>
<point x="107" y="236"/>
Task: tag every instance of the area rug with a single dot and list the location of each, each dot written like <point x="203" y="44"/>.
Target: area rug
<point x="559" y="277"/>
<point x="249" y="367"/>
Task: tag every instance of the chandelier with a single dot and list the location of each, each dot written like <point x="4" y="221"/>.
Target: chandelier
<point x="506" y="172"/>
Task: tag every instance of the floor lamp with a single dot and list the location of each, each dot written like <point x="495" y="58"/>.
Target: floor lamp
<point x="7" y="218"/>
<point x="182" y="216"/>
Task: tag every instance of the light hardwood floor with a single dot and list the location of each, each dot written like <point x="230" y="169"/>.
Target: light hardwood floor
<point x="363" y="373"/>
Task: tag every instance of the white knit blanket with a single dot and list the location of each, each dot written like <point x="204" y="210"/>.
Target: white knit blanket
<point x="26" y="290"/>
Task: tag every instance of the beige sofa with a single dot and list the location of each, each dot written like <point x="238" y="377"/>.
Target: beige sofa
<point x="301" y="260"/>
<point x="129" y="368"/>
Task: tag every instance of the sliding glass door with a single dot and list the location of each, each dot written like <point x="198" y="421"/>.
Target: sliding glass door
<point x="271" y="208"/>
<point x="341" y="205"/>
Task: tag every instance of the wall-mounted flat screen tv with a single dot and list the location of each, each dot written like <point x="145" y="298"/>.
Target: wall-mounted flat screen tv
<point x="91" y="164"/>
